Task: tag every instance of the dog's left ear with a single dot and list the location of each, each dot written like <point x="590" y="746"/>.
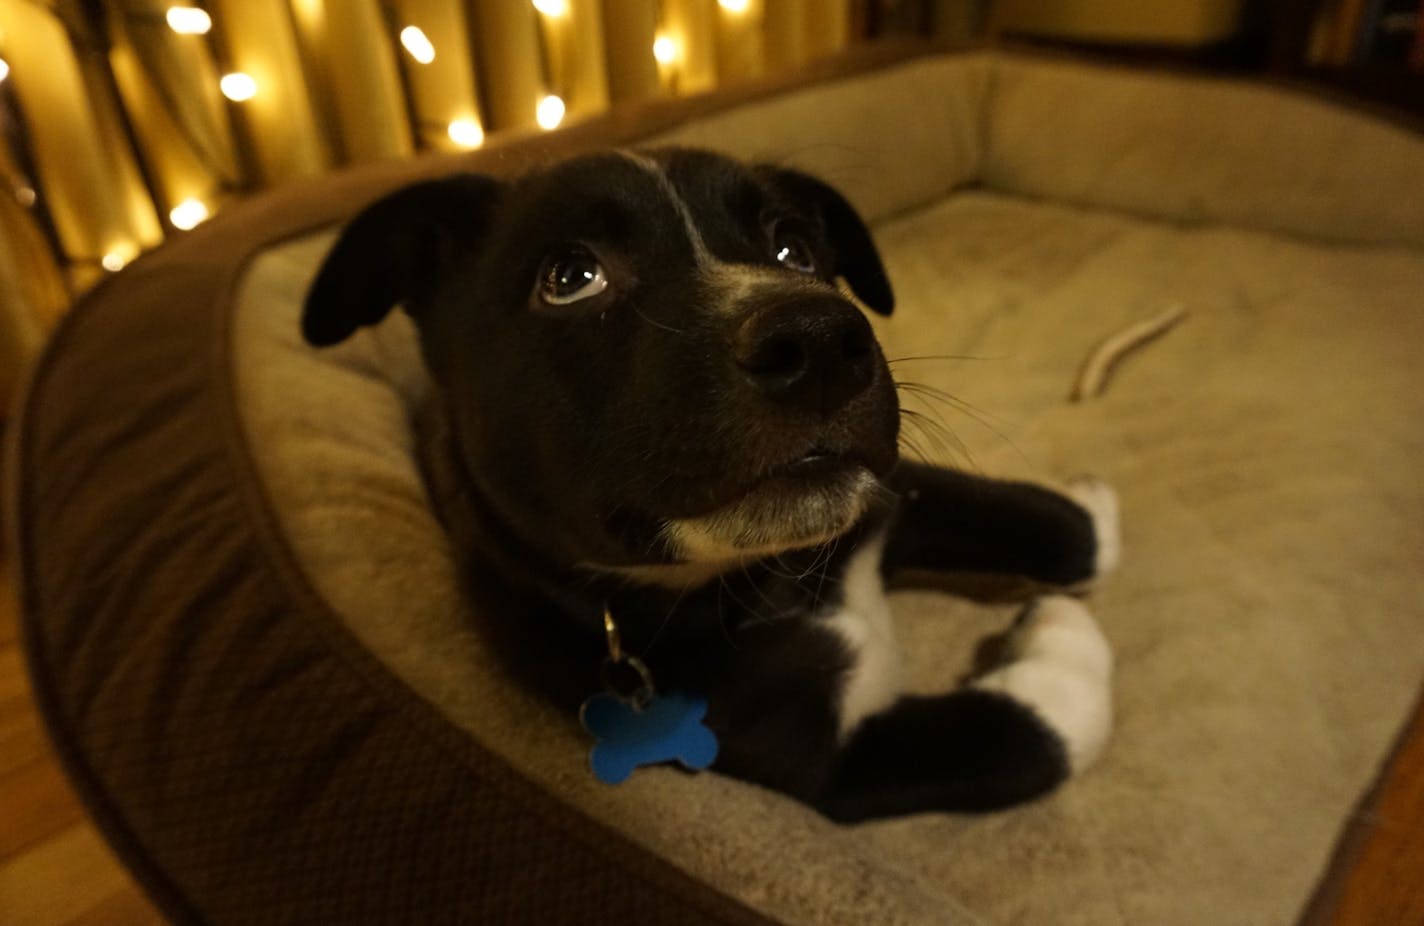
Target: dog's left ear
<point x="394" y="252"/>
<point x="856" y="259"/>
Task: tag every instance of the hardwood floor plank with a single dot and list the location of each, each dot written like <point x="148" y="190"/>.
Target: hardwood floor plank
<point x="22" y="739"/>
<point x="9" y="608"/>
<point x="55" y="868"/>
<point x="128" y="907"/>
<point x="35" y="803"/>
<point x="14" y="682"/>
<point x="1383" y="882"/>
<point x="9" y="622"/>
<point x="60" y="879"/>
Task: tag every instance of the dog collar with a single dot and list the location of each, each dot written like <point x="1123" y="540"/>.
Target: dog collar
<point x="634" y="726"/>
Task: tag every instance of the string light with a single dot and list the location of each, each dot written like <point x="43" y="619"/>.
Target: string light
<point x="418" y="44"/>
<point x="4" y="69"/>
<point x="117" y="259"/>
<point x="550" y="112"/>
<point x="188" y="20"/>
<point x="552" y="8"/>
<point x="466" y="133"/>
<point x="238" y="86"/>
<point x="665" y="49"/>
<point x="733" y="6"/>
<point x="188" y="214"/>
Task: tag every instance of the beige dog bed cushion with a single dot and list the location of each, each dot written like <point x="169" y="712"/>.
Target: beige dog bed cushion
<point x="249" y="641"/>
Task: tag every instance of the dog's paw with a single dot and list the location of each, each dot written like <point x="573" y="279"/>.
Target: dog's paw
<point x="1099" y="499"/>
<point x="1060" y="665"/>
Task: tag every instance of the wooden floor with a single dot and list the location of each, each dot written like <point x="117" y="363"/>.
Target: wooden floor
<point x="55" y="868"/>
<point x="1379" y="875"/>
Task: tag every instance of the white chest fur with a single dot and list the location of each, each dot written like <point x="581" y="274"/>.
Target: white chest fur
<point x="864" y="624"/>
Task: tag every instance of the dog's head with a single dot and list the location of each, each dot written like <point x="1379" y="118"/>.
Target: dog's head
<point x="644" y="358"/>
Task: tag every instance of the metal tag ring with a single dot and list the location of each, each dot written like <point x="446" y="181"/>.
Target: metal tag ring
<point x="629" y="680"/>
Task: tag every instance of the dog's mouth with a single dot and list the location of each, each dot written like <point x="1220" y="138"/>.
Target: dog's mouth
<point x="813" y="463"/>
<point x="816" y="468"/>
<point x="809" y="499"/>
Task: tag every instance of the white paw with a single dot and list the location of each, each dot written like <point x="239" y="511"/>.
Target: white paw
<point x="1100" y="500"/>
<point x="1061" y="667"/>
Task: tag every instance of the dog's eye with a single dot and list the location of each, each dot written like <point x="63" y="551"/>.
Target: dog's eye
<point x="792" y="251"/>
<point x="570" y="276"/>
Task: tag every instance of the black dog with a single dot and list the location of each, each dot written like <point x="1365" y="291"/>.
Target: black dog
<point x="659" y="406"/>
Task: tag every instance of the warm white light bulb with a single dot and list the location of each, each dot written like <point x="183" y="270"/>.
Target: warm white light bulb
<point x="27" y="196"/>
<point x="665" y="49"/>
<point x="466" y="133"/>
<point x="733" y="6"/>
<point x="552" y="8"/>
<point x="188" y="214"/>
<point x="4" y="69"/>
<point x="189" y="20"/>
<point x="418" y="44"/>
<point x="238" y="87"/>
<point x="550" y="112"/>
<point x="115" y="260"/>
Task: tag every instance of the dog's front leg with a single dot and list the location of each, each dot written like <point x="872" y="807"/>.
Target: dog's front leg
<point x="953" y="522"/>
<point x="1009" y="736"/>
<point x="814" y="707"/>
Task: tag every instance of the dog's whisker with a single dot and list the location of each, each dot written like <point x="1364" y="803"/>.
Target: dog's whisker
<point x="821" y="564"/>
<point x="761" y="593"/>
<point x="921" y="357"/>
<point x="924" y="421"/>
<point x="935" y="433"/>
<point x="940" y="435"/>
<point x="738" y="598"/>
<point x="987" y="420"/>
<point x="799" y="575"/>
<point x="722" y="614"/>
<point x="826" y="566"/>
<point x="931" y="424"/>
<point x="667" y="619"/>
<point x="908" y="443"/>
<point x="780" y="568"/>
<point x="657" y="324"/>
<point x="982" y="416"/>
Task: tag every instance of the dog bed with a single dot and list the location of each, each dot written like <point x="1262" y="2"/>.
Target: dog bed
<point x="246" y="634"/>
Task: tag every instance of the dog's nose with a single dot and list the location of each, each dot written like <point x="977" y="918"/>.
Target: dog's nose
<point x="814" y="355"/>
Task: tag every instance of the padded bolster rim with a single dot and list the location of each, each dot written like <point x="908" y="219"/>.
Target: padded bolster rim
<point x="14" y="511"/>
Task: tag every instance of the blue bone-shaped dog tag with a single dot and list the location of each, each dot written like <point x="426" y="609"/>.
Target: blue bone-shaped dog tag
<point x="669" y="728"/>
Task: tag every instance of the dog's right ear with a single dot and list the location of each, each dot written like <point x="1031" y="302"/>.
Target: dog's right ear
<point x="394" y="251"/>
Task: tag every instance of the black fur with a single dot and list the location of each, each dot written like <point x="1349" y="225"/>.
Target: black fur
<point x="952" y="521"/>
<point x="571" y="436"/>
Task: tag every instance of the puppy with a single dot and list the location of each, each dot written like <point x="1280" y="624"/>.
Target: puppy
<point x="654" y="403"/>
